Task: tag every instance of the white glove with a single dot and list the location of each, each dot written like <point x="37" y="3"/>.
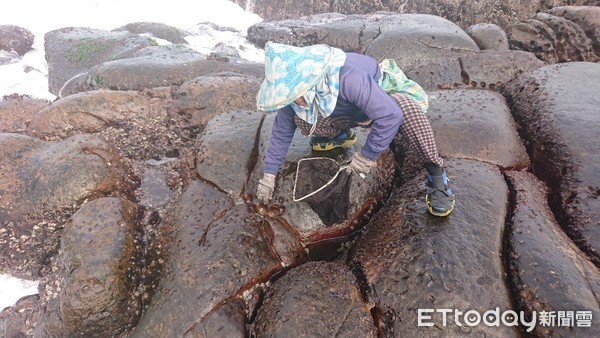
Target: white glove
<point x="266" y="185"/>
<point x="360" y="164"/>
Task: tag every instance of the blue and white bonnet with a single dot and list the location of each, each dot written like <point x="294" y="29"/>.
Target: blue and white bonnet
<point x="292" y="72"/>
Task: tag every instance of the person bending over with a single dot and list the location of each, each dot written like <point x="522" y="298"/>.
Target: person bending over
<point x="326" y="92"/>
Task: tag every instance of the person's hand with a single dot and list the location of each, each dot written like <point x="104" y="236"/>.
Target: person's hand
<point x="266" y="185"/>
<point x="360" y="164"/>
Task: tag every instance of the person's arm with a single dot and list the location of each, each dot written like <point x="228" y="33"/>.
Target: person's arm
<point x="359" y="88"/>
<point x="282" y="134"/>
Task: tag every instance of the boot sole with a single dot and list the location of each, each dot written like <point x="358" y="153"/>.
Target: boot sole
<point x="435" y="213"/>
<point x="329" y="145"/>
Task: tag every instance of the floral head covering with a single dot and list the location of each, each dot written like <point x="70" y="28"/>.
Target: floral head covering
<point x="291" y="72"/>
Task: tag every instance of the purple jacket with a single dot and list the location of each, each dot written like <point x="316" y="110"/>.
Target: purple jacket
<point x="360" y="97"/>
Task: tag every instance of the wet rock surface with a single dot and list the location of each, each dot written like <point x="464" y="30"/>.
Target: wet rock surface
<point x="433" y="51"/>
<point x="205" y="97"/>
<point x="556" y="106"/>
<point x="228" y="320"/>
<point x="563" y="34"/>
<point x="488" y="36"/>
<point x="228" y="138"/>
<point x="424" y="37"/>
<point x="15" y="39"/>
<point x="315" y="299"/>
<point x="72" y="51"/>
<point x="97" y="273"/>
<point x="543" y="261"/>
<point x="41" y="185"/>
<point x="157" y="30"/>
<point x="464" y="13"/>
<point x="162" y="66"/>
<point x="218" y="254"/>
<point x="17" y="110"/>
<point x="587" y="17"/>
<point x="158" y="150"/>
<point x="19" y="320"/>
<point x="476" y="124"/>
<point x="411" y="260"/>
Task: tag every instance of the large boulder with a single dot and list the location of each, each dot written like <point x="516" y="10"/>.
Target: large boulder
<point x="158" y="66"/>
<point x="587" y="17"/>
<point x="492" y="69"/>
<point x="431" y="50"/>
<point x="136" y="123"/>
<point x="93" y="291"/>
<point x="315" y="299"/>
<point x="155" y="29"/>
<point x="155" y="123"/>
<point x="488" y="36"/>
<point x="72" y="51"/>
<point x="476" y="124"/>
<point x="554" y="38"/>
<point x="547" y="271"/>
<point x="15" y="39"/>
<point x="229" y="138"/>
<point x="418" y="38"/>
<point x="411" y="260"/>
<point x="16" y="111"/>
<point x="207" y="96"/>
<point x="408" y="38"/>
<point x="471" y="124"/>
<point x="219" y="252"/>
<point x="90" y="112"/>
<point x="42" y="184"/>
<point x="487" y="69"/>
<point x="556" y="109"/>
<point x="462" y="12"/>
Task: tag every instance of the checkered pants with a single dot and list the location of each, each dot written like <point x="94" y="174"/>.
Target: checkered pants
<point x="415" y="127"/>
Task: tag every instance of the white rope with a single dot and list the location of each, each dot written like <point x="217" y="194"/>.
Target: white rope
<point x="344" y="167"/>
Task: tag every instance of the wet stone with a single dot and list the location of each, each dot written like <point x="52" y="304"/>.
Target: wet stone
<point x="41" y="184"/>
<point x="207" y="96"/>
<point x="476" y="124"/>
<point x="315" y="299"/>
<point x="547" y="270"/>
<point x="74" y="50"/>
<point x="218" y="251"/>
<point x="556" y="108"/>
<point x="135" y="123"/>
<point x="62" y="173"/>
<point x="492" y="69"/>
<point x="228" y="320"/>
<point x="286" y="242"/>
<point x="412" y="260"/>
<point x="225" y="150"/>
<point x="18" y="110"/>
<point x="89" y="112"/>
<point x="92" y="292"/>
<point x="154" y="190"/>
<point x="19" y="320"/>
<point x="161" y="66"/>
